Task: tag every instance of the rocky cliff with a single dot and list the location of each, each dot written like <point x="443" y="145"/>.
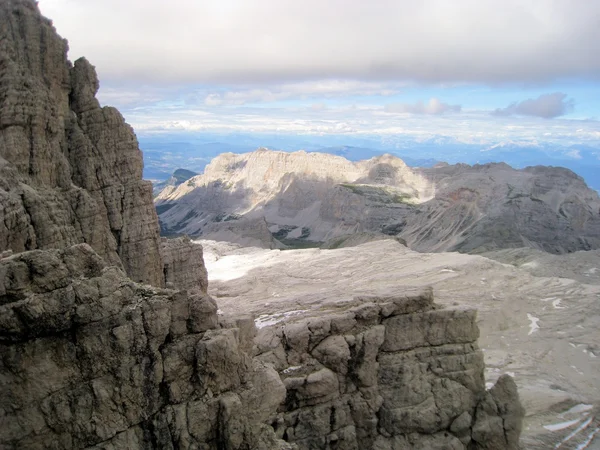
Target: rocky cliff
<point x="71" y="171"/>
<point x="311" y="198"/>
<point x="91" y="359"/>
<point x="95" y="353"/>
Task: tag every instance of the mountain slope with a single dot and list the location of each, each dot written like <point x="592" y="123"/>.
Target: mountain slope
<point x="178" y="177"/>
<point x="314" y="197"/>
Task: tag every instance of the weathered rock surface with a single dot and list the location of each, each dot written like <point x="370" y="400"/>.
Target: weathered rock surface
<point x="91" y="359"/>
<point x="537" y="324"/>
<point x="312" y="197"/>
<point x="383" y="372"/>
<point x="70" y="170"/>
<point x="183" y="264"/>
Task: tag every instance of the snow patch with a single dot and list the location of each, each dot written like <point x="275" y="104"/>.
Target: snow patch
<point x="579" y="429"/>
<point x="266" y="320"/>
<point x="292" y="369"/>
<point x="533" y="326"/>
<point x="556" y="304"/>
<point x="562" y="425"/>
<point x="588" y="441"/>
<point x="577" y="409"/>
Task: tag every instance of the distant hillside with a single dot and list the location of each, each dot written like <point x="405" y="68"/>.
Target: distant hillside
<point x="309" y="198"/>
<point x="178" y="177"/>
<point x="166" y="152"/>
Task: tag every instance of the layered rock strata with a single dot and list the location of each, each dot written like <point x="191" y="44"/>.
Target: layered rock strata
<point x="91" y="359"/>
<point x="70" y="170"/>
<point x="311" y="198"/>
<point x="388" y="372"/>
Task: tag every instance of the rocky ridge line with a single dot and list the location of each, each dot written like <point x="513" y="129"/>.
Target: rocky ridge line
<point x="315" y="198"/>
<point x="91" y="358"/>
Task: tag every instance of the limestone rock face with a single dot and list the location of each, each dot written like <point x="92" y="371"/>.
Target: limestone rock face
<point x="71" y="170"/>
<point x="300" y="195"/>
<point x="314" y="198"/>
<point x="91" y="359"/>
<point x="388" y="372"/>
<point x="183" y="264"/>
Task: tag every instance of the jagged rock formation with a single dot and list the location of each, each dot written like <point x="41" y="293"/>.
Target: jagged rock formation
<point x="388" y="372"/>
<point x="311" y="197"/>
<point x="70" y="171"/>
<point x="91" y="359"/>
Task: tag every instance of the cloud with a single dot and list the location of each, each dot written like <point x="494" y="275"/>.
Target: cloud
<point x="276" y="41"/>
<point x="471" y="127"/>
<point x="546" y="106"/>
<point x="290" y="91"/>
<point x="434" y="107"/>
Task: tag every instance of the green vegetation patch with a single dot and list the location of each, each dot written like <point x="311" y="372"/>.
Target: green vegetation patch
<point x="380" y="194"/>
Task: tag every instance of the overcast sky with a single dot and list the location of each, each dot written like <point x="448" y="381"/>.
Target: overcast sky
<point x="518" y="69"/>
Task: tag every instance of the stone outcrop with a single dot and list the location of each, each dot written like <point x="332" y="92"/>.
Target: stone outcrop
<point x="70" y="170"/>
<point x="91" y="359"/>
<point x="95" y="353"/>
<point x="388" y="372"/>
<point x="314" y="198"/>
<point x="183" y="264"/>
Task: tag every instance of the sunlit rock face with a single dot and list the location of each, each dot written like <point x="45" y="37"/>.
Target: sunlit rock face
<point x="313" y="198"/>
<point x="300" y="195"/>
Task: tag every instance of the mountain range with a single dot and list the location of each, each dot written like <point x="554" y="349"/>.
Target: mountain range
<point x="305" y="198"/>
<point x="166" y="152"/>
<point x="110" y="338"/>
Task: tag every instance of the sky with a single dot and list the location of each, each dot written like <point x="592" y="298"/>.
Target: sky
<point x="484" y="71"/>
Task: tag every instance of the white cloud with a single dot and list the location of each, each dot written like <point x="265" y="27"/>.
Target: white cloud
<point x="467" y="126"/>
<point x="255" y="41"/>
<point x="434" y="107"/>
<point x="287" y="91"/>
<point x="546" y="106"/>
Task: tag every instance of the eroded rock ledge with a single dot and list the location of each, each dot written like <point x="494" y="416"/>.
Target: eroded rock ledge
<point x="91" y="359"/>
